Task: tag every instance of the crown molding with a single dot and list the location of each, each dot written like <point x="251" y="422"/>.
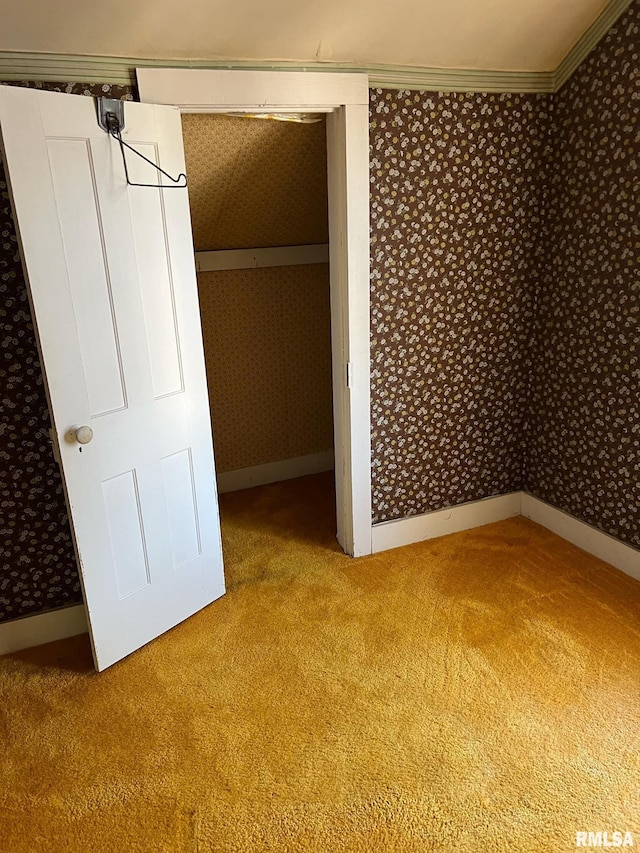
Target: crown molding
<point x="54" y="67"/>
<point x="458" y="79"/>
<point x="121" y="70"/>
<point x="583" y="47"/>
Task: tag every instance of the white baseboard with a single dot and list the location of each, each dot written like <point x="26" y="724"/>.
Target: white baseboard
<point x="429" y="525"/>
<point x="70" y="621"/>
<point x="589" y="538"/>
<point x="42" y="628"/>
<point x="274" y="472"/>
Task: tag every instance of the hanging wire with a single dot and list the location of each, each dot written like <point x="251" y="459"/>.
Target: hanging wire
<point x="114" y="129"/>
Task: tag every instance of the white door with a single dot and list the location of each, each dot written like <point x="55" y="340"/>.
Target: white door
<point x="113" y="288"/>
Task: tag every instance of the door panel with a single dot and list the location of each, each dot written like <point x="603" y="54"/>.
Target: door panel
<point x="178" y="476"/>
<point x="113" y="289"/>
<point x="151" y="243"/>
<point x="124" y="519"/>
<point x="87" y="266"/>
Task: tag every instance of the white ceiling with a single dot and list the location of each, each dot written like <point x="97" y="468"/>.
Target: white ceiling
<point x="527" y="35"/>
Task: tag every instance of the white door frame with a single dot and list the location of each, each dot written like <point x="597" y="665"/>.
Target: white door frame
<point x="345" y="99"/>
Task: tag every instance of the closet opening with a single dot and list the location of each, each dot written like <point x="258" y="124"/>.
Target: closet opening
<point x="259" y="209"/>
<point x="344" y="100"/>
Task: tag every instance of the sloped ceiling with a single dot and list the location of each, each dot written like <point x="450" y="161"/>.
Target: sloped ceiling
<point x="526" y="35"/>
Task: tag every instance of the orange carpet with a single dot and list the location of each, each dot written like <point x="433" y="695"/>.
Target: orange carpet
<point x="479" y="692"/>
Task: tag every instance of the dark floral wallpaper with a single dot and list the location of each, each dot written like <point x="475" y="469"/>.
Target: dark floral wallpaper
<point x="456" y="197"/>
<point x="584" y="437"/>
<point x="37" y="564"/>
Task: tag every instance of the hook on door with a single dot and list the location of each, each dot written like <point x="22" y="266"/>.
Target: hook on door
<point x="111" y="119"/>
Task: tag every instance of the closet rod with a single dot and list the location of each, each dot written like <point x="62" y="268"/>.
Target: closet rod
<point x="275" y="256"/>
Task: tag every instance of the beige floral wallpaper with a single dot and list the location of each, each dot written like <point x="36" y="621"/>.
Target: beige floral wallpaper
<point x="267" y="332"/>
<point x="268" y="355"/>
<point x="456" y="209"/>
<point x="584" y="436"/>
<point x="254" y="182"/>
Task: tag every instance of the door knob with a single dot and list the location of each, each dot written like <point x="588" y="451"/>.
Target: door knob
<point x="81" y="434"/>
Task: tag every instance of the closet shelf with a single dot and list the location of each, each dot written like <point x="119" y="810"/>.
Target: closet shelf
<point x="274" y="256"/>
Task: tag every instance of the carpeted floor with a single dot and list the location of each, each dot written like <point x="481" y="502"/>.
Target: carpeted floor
<point x="479" y="692"/>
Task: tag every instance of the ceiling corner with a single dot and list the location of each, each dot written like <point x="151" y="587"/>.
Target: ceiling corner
<point x="590" y="38"/>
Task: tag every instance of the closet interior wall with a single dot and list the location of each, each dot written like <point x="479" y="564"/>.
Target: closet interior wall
<point x="257" y="184"/>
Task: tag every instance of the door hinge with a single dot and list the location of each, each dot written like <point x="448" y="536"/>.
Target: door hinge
<point x="349" y="374"/>
<point x="53" y="438"/>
